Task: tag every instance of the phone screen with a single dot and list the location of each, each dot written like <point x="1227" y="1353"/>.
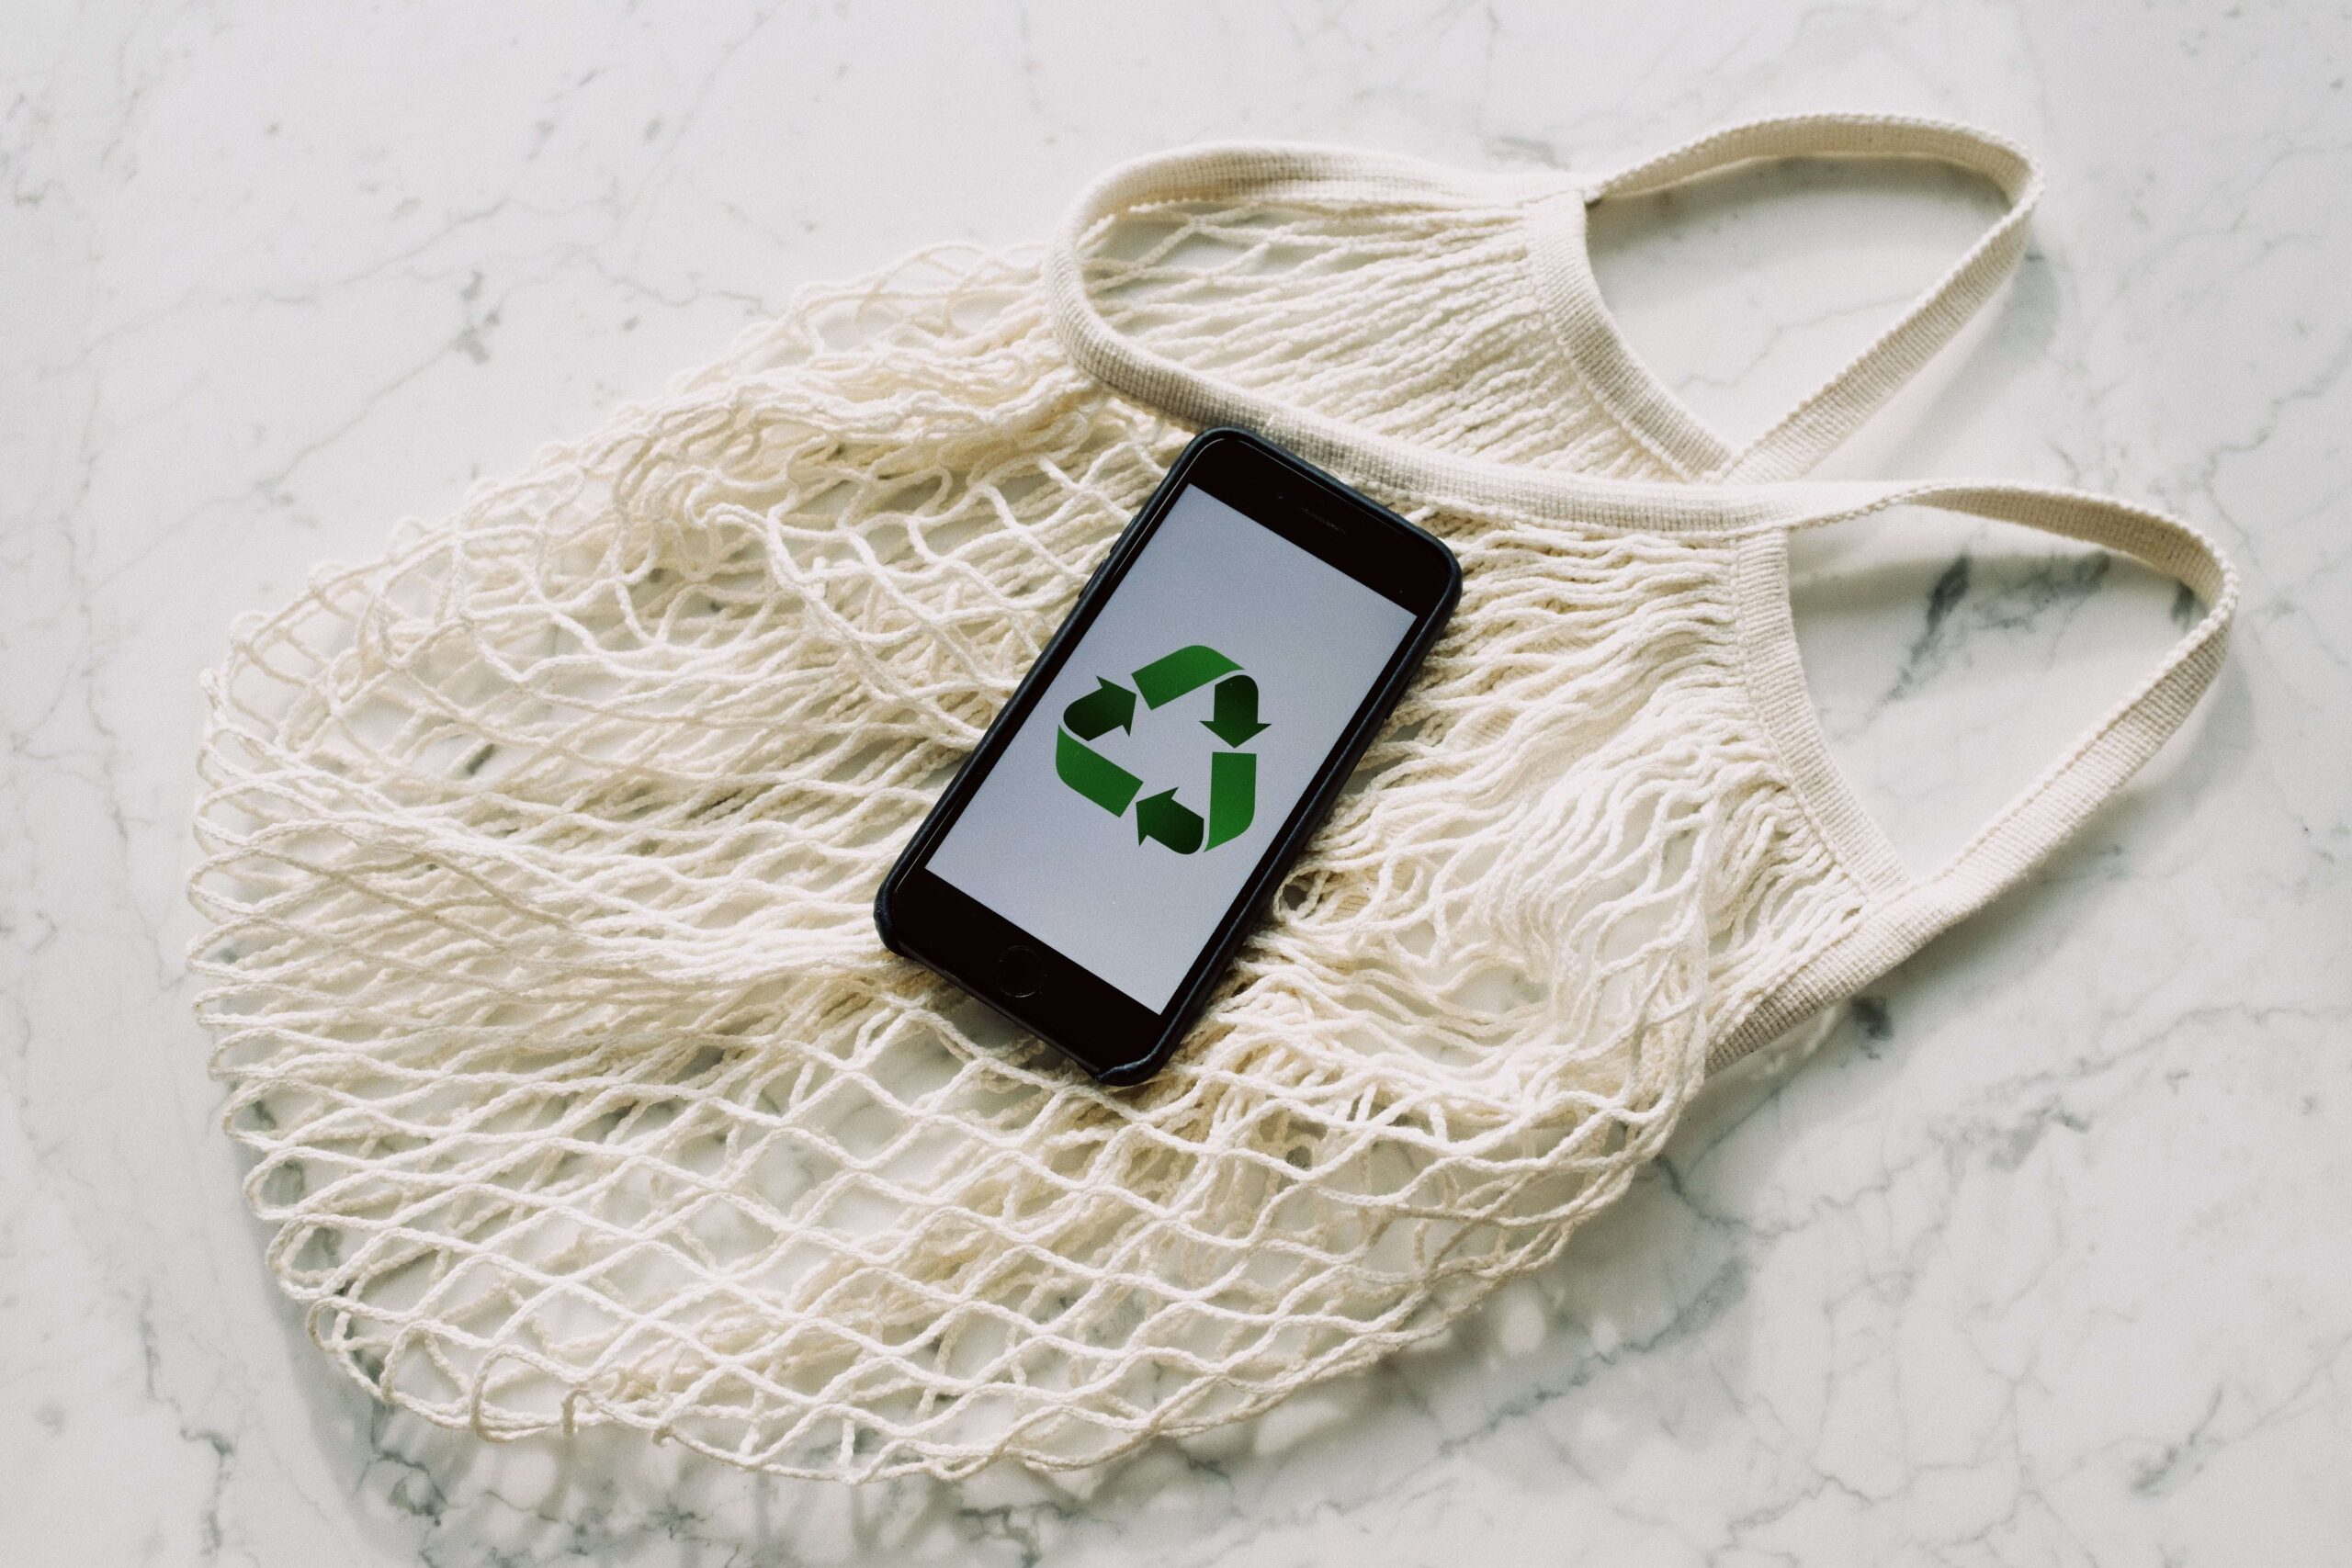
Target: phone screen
<point x="1127" y="812"/>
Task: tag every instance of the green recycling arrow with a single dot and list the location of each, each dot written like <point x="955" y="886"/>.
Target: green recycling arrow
<point x="1233" y="795"/>
<point x="1092" y="775"/>
<point x="1163" y="681"/>
<point x="1161" y="817"/>
<point x="1107" y="707"/>
<point x="1235" y="719"/>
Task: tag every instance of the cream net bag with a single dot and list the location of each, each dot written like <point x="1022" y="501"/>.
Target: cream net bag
<point x="539" y="853"/>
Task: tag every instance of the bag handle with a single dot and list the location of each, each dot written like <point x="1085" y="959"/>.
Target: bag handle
<point x="1278" y="172"/>
<point x="2048" y="810"/>
<point x="1833" y="409"/>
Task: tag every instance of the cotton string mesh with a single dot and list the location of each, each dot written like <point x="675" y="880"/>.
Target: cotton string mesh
<point x="540" y="856"/>
<point x="1410" y="321"/>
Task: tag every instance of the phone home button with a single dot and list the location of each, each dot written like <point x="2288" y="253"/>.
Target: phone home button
<point x="1019" y="972"/>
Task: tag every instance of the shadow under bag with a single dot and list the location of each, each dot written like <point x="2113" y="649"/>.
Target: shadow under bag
<point x="539" y="851"/>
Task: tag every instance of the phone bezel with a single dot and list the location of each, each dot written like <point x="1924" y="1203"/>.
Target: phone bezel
<point x="1114" y="1037"/>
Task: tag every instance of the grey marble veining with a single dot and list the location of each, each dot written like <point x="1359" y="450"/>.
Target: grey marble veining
<point x="2036" y="1255"/>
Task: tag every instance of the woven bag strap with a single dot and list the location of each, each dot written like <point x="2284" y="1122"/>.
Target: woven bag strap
<point x="2048" y="810"/>
<point x="1833" y="409"/>
<point x="1278" y="172"/>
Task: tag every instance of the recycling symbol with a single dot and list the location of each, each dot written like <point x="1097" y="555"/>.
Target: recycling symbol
<point x="1233" y="772"/>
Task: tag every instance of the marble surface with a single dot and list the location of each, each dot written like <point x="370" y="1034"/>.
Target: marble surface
<point x="2040" y="1256"/>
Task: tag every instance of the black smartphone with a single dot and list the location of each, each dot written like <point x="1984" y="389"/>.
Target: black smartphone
<point x="1094" y="865"/>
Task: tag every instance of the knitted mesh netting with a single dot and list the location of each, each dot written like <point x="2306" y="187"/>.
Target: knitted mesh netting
<point x="539" y="857"/>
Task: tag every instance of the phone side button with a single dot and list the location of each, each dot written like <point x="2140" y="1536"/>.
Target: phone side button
<point x="1019" y="972"/>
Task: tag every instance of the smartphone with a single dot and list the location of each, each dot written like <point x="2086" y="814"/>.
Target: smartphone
<point x="1090" y="870"/>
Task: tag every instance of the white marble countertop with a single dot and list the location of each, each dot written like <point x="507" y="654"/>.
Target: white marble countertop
<point x="2040" y="1259"/>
